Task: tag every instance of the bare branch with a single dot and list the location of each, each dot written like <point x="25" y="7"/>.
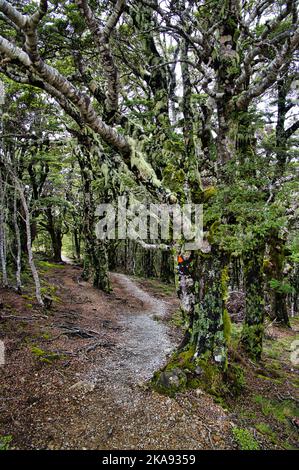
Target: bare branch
<point x="269" y="74"/>
<point x="101" y="37"/>
<point x="13" y="14"/>
<point x="292" y="129"/>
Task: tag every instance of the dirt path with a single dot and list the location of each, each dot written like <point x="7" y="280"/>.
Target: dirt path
<point x="144" y="343"/>
<point x="95" y="397"/>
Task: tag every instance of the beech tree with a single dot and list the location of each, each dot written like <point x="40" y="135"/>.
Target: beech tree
<point x="168" y="93"/>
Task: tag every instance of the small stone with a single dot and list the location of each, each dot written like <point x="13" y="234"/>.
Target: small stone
<point x="174" y="378"/>
<point x="198" y="370"/>
<point x="83" y="386"/>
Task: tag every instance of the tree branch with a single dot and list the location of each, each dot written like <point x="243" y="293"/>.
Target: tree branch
<point x="101" y="37"/>
<point x="269" y="74"/>
<point x="292" y="129"/>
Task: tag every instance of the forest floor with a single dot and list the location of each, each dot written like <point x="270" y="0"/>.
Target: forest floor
<point x="76" y="375"/>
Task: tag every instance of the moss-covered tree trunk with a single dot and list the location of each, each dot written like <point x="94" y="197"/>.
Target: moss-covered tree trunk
<point x="211" y="324"/>
<point x="202" y="288"/>
<point x="253" y="328"/>
<point x="95" y="255"/>
<point x="166" y="270"/>
<point x="77" y="244"/>
<point x="278" y="296"/>
<point x="100" y="265"/>
<point x="148" y="263"/>
<point x="56" y="240"/>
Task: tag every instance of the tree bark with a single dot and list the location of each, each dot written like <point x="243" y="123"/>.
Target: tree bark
<point x="202" y="289"/>
<point x="253" y="328"/>
<point x="278" y="298"/>
<point x="29" y="247"/>
<point x="18" y="245"/>
<point x="2" y="233"/>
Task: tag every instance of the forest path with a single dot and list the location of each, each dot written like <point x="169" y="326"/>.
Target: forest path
<point x="97" y="398"/>
<point x="144" y="343"/>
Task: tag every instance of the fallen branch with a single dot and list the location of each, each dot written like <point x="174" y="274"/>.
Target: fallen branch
<point x="75" y="331"/>
<point x="94" y="346"/>
<point x="15" y="317"/>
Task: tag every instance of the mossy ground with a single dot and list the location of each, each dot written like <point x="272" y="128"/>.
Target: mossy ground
<point x="5" y="442"/>
<point x="200" y="373"/>
<point x="269" y="402"/>
<point x="28" y="289"/>
<point x="156" y="286"/>
<point x="260" y="395"/>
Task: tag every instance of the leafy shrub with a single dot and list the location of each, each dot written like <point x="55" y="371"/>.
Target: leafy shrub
<point x="245" y="439"/>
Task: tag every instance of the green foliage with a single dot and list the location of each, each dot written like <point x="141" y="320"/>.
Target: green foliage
<point x="281" y="286"/>
<point x="245" y="439"/>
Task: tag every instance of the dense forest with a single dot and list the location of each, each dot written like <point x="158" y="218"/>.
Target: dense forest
<point x="162" y="105"/>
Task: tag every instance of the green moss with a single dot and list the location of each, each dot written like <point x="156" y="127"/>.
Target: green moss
<point x="178" y="319"/>
<point x="236" y="329"/>
<point x="264" y="428"/>
<point x="5" y="442"/>
<point x="235" y="380"/>
<point x="247" y="414"/>
<point x="227" y="326"/>
<point x="47" y="265"/>
<point x="45" y="356"/>
<point x="252" y="340"/>
<point x="288" y="446"/>
<point x="50" y="290"/>
<point x="199" y="372"/>
<point x="224" y="283"/>
<point x="279" y="348"/>
<point x="194" y="383"/>
<point x="169" y="381"/>
<point x="138" y="161"/>
<point x="28" y="297"/>
<point x="279" y="410"/>
<point x="209" y="192"/>
<point x="183" y="359"/>
<point x="46" y="336"/>
<point x="245" y="439"/>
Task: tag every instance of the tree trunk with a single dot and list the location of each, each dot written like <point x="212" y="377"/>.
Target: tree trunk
<point x="18" y="245"/>
<point x="2" y="234"/>
<point x="202" y="283"/>
<point x="148" y="263"/>
<point x="29" y="247"/>
<point x="253" y="329"/>
<point x="77" y="244"/>
<point x="95" y="251"/>
<point x="56" y="238"/>
<point x="278" y="298"/>
<point x="166" y="271"/>
<point x="55" y="234"/>
<point x="100" y="265"/>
